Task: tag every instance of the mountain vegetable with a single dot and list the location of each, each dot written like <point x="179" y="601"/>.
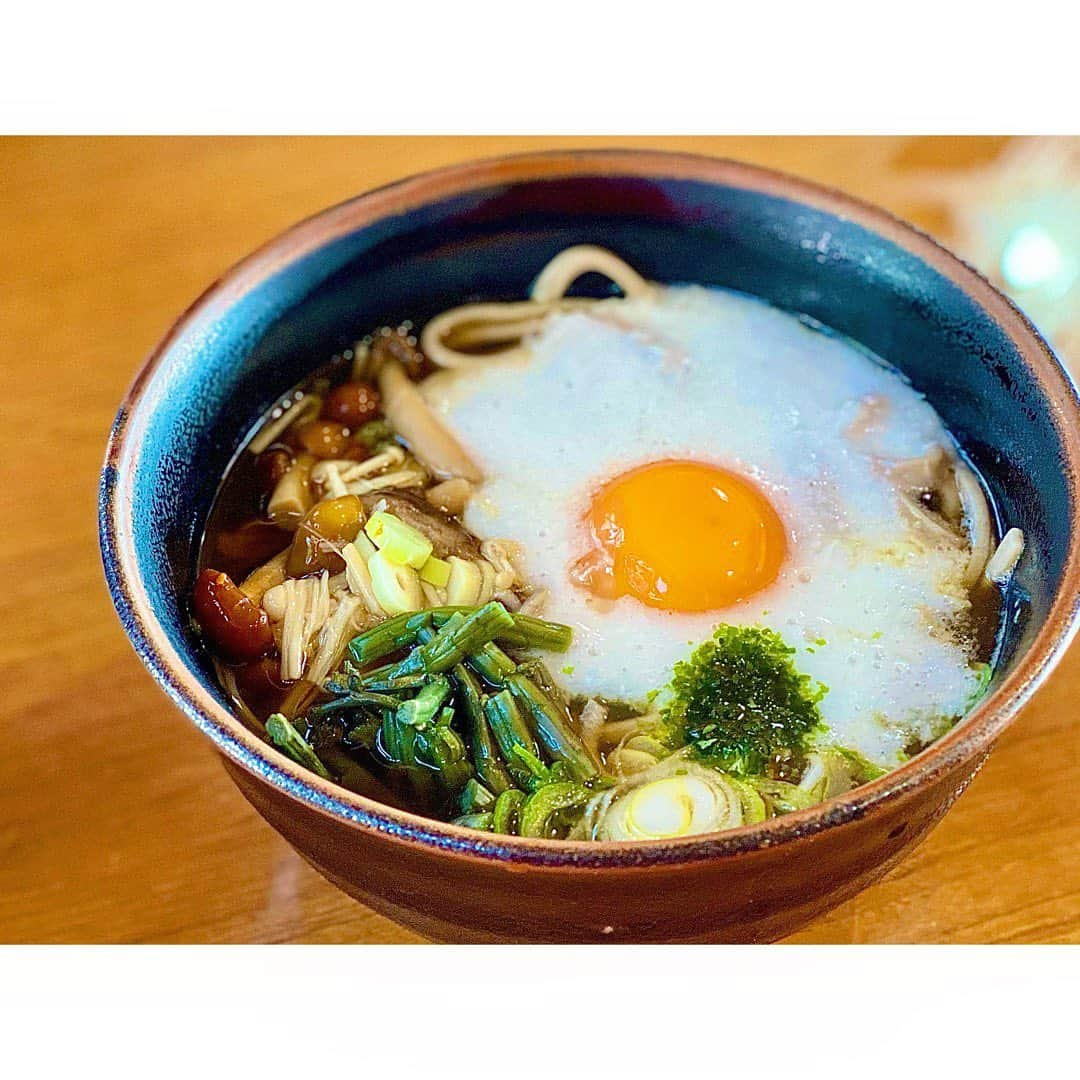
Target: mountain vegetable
<point x="456" y="638"/>
<point x="492" y="664"/>
<point x="521" y="632"/>
<point x="427" y="694"/>
<point x="538" y="812"/>
<point x="507" y="812"/>
<point x="551" y="727"/>
<point x="831" y="771"/>
<point x="485" y="751"/>
<point x="475" y="798"/>
<point x="421" y="710"/>
<point x="511" y="733"/>
<point x="291" y="743"/>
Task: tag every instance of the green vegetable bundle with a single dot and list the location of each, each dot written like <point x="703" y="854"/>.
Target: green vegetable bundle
<point x="433" y="695"/>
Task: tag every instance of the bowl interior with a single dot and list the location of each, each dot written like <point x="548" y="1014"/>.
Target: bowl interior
<point x="258" y="337"/>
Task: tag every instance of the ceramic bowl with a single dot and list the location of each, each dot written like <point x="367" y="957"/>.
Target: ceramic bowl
<point x="484" y="230"/>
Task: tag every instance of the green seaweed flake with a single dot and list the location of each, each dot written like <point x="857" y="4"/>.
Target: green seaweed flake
<point x="739" y="703"/>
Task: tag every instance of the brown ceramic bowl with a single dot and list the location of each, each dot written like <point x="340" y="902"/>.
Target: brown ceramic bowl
<point x="484" y="229"/>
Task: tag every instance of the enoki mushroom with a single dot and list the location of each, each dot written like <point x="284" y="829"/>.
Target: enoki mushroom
<point x="977" y="520"/>
<point x="957" y="487"/>
<point x="1002" y="563"/>
<point x="283" y="417"/>
<point x="475" y="333"/>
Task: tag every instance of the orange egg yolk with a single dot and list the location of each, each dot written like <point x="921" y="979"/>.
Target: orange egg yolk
<point x="682" y="536"/>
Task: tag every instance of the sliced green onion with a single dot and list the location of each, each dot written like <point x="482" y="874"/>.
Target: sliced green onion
<point x="398" y="541"/>
<point x="435" y="572"/>
<point x="463" y="583"/>
<point x="396" y="587"/>
<point x="480" y="821"/>
<point x="685" y="804"/>
<point x="753" y="805"/>
<point x="541" y="806"/>
<point x="779" y="796"/>
<point x="507" y="812"/>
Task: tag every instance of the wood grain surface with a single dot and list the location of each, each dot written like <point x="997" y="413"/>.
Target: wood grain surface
<point x="117" y="824"/>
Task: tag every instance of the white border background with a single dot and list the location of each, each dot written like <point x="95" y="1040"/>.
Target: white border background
<point x="563" y="1013"/>
<point x="574" y="68"/>
<point x="566" y="66"/>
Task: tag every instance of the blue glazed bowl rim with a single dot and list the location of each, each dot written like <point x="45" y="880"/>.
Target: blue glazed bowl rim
<point x="971" y="739"/>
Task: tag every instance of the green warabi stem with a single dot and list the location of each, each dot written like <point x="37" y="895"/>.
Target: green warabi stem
<point x="398" y="741"/>
<point x="363" y="734"/>
<point x="475" y="798"/>
<point x="534" y="774"/>
<point x="485" y="753"/>
<point x="401" y="632"/>
<point x="525" y="631"/>
<point x="354" y="700"/>
<point x="507" y="811"/>
<point x="491" y="664"/>
<point x="459" y="636"/>
<point x="440" y="748"/>
<point x="551" y="728"/>
<point x="388" y="637"/>
<point x="474" y="821"/>
<point x="291" y="743"/>
<point x="421" y="710"/>
<point x="379" y="685"/>
<point x="542" y="805"/>
<point x="510" y="730"/>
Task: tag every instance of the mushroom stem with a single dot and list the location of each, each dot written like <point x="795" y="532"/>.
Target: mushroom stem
<point x="426" y="436"/>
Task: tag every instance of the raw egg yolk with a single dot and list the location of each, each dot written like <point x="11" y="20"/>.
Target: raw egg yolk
<point x="682" y="536"/>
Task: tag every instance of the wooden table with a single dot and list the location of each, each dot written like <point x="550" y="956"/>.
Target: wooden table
<point x="117" y="823"/>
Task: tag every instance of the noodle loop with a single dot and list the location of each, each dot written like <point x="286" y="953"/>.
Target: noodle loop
<point x="475" y="333"/>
